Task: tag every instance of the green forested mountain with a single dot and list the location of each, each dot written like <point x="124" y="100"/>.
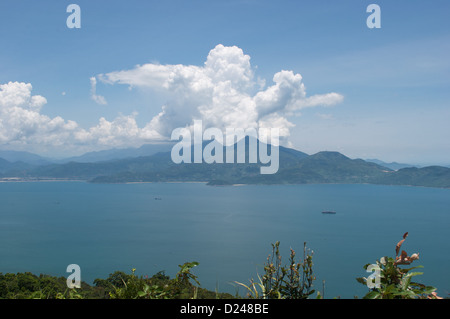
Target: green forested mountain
<point x="7" y="166"/>
<point x="392" y="165"/>
<point x="116" y="154"/>
<point x="295" y="167"/>
<point x="434" y="176"/>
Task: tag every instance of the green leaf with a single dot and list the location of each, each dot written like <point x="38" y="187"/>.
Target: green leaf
<point x="362" y="280"/>
<point x="415" y="273"/>
<point x="391" y="289"/>
<point x="429" y="289"/>
<point x="409" y="269"/>
<point x="372" y="295"/>
<point x="407" y="293"/>
<point x="406" y="281"/>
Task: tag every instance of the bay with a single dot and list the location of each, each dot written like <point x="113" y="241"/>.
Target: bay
<point x="45" y="226"/>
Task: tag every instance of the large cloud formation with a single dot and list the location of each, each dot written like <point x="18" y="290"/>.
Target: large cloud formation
<point x="222" y="93"/>
<point x="21" y="123"/>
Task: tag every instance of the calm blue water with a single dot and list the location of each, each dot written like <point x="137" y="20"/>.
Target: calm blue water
<point x="46" y="226"/>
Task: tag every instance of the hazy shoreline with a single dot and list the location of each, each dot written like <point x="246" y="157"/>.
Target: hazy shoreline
<point x="22" y="180"/>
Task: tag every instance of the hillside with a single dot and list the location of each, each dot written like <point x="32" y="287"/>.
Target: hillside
<point x="10" y="167"/>
<point x="393" y="165"/>
<point x="117" y="154"/>
<point x="295" y="167"/>
<point x="435" y="176"/>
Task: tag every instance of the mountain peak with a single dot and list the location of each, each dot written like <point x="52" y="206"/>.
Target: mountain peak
<point x="333" y="155"/>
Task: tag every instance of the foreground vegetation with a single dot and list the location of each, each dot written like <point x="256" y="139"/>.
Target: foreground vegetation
<point x="119" y="285"/>
<point x="292" y="281"/>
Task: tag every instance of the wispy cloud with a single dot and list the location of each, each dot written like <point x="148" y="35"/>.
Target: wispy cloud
<point x="99" y="99"/>
<point x="325" y="116"/>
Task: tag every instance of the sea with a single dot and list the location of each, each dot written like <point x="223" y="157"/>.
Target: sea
<point x="228" y="230"/>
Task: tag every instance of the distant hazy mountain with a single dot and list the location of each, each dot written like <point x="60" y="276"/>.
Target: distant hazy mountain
<point x="4" y="165"/>
<point x="115" y="154"/>
<point x="295" y="167"/>
<point x="435" y="176"/>
<point x="393" y="165"/>
<point x="25" y="157"/>
<point x="157" y="166"/>
<point x="15" y="168"/>
<point x="18" y="162"/>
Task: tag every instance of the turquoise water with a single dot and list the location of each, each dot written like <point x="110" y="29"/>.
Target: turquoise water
<point x="46" y="226"/>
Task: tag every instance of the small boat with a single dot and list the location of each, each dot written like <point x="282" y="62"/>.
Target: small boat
<point x="329" y="212"/>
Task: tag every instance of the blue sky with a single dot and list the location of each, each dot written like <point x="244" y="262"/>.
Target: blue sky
<point x="393" y="83"/>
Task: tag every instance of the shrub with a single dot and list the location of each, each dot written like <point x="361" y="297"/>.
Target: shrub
<point x="293" y="281"/>
<point x="395" y="282"/>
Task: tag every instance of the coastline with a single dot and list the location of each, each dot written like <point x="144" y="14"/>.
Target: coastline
<point x="35" y="180"/>
<point x="25" y="180"/>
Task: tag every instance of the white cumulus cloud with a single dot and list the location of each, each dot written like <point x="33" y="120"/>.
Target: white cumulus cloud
<point x="223" y="93"/>
<point x="21" y="123"/>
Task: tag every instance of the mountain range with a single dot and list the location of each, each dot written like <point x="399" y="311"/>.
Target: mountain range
<point x="392" y="165"/>
<point x="153" y="163"/>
